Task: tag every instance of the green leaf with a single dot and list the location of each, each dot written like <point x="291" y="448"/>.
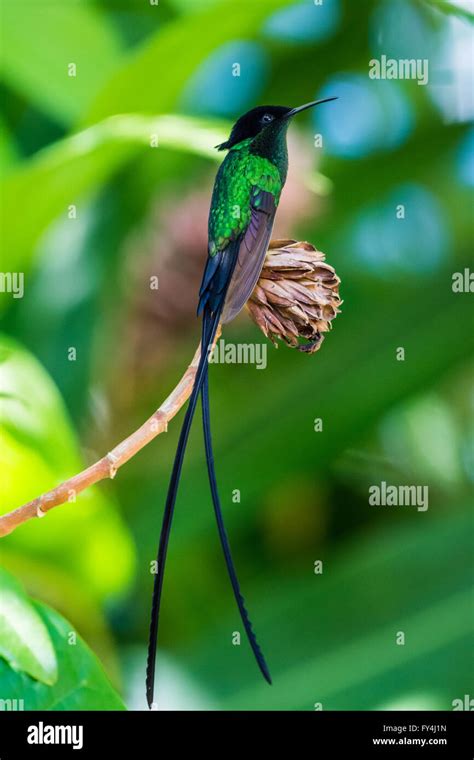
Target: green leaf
<point x="83" y="162"/>
<point x="173" y="54"/>
<point x="46" y="665"/>
<point x="43" y="41"/>
<point x="86" y="538"/>
<point x="24" y="639"/>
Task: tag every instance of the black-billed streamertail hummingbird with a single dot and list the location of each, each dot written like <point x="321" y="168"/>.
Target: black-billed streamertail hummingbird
<point x="244" y="202"/>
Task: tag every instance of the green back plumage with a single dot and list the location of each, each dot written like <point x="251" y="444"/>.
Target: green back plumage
<point x="246" y="169"/>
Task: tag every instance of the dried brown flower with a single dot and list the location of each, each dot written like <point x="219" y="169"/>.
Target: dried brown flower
<point x="297" y="295"/>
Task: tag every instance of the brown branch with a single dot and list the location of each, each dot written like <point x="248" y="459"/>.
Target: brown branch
<point x="107" y="466"/>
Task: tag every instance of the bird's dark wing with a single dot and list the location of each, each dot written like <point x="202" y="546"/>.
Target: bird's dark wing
<point x="235" y="270"/>
<point x="251" y="254"/>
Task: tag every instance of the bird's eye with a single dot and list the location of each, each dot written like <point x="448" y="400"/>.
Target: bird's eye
<point x="267" y="118"/>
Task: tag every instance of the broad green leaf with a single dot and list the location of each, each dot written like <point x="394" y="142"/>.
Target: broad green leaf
<point x="86" y="538"/>
<point x="153" y="78"/>
<point x="81" y="683"/>
<point x="24" y="639"/>
<point x="43" y="40"/>
<point x="66" y="171"/>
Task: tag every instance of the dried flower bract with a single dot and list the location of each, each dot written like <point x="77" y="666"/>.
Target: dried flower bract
<point x="297" y="295"/>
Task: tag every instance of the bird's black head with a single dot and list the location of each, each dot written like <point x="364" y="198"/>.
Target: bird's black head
<point x="270" y="118"/>
<point x="252" y="123"/>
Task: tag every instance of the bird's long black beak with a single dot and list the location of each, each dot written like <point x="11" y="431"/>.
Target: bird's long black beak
<point x="307" y="105"/>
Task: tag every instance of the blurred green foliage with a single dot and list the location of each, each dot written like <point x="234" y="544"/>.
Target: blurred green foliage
<point x="91" y="210"/>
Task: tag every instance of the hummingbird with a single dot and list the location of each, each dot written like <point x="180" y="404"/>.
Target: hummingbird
<point x="244" y="202"/>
